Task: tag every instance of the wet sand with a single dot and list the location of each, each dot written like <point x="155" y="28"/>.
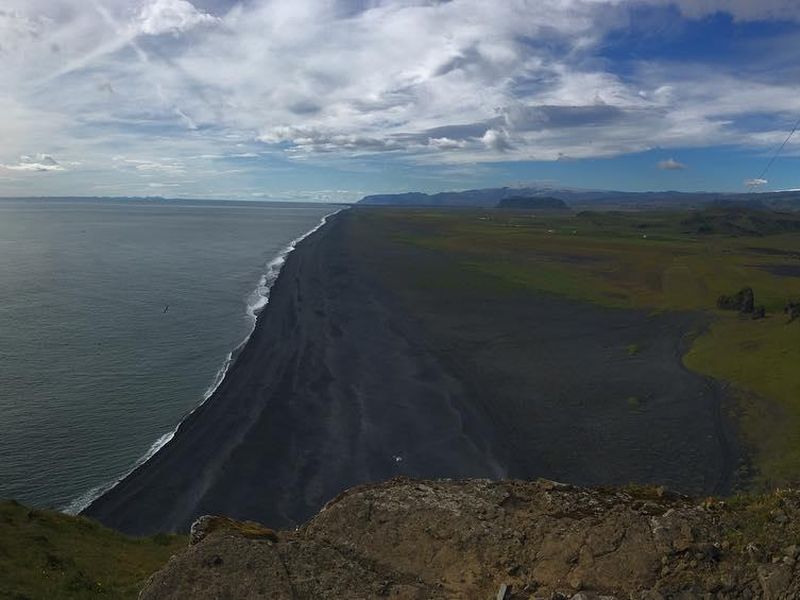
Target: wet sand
<point x="353" y="375"/>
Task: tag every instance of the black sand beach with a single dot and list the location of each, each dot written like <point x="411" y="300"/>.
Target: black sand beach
<point x="352" y="376"/>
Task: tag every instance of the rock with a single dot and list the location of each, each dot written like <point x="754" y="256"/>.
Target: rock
<point x="743" y="301"/>
<point x="779" y="517"/>
<point x="461" y="539"/>
<point x="774" y="581"/>
<point x="706" y="551"/>
<point x="793" y="310"/>
<point x="792" y="551"/>
<point x="208" y="524"/>
<point x="586" y="596"/>
<point x="759" y="312"/>
<point x="755" y="552"/>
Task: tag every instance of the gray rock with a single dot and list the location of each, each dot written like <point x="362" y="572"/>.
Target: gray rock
<point x="586" y="596"/>
<point x="200" y="529"/>
<point x="774" y="580"/>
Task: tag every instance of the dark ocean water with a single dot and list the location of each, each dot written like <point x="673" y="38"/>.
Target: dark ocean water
<point x="116" y="319"/>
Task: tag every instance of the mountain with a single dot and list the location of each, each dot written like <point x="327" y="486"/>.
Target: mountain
<point x="533" y="203"/>
<point x="586" y="199"/>
<point x="485" y="198"/>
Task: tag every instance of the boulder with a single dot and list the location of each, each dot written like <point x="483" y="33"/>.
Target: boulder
<point x="743" y="301"/>
<point x="208" y="524"/>
<point x="793" y="310"/>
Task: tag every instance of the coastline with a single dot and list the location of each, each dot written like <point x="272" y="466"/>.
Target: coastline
<point x="294" y="423"/>
<point x="354" y="375"/>
<point x="261" y="293"/>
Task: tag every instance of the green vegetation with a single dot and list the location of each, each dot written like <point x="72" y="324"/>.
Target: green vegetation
<point x="654" y="261"/>
<point x="45" y="554"/>
<point x="759" y="521"/>
<point x="634" y="402"/>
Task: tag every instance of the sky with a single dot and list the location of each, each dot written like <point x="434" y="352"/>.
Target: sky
<point x="333" y="99"/>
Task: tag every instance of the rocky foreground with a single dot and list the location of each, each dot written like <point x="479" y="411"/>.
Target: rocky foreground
<point x="511" y="540"/>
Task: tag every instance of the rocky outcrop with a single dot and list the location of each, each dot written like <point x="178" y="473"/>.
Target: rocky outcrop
<point x="743" y="301"/>
<point x="792" y="310"/>
<point x="511" y="539"/>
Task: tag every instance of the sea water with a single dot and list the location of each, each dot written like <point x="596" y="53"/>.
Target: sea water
<point x="117" y="319"/>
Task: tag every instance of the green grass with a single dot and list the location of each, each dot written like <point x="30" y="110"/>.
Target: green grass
<point x="762" y="357"/>
<point x="634" y="402"/>
<point x="654" y="261"/>
<point x="49" y="555"/>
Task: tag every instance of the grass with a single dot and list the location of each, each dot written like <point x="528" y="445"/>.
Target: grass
<point x="754" y="519"/>
<point x="763" y="357"/>
<point x="45" y="554"/>
<point x="634" y="349"/>
<point x="634" y="402"/>
<point x="654" y="261"/>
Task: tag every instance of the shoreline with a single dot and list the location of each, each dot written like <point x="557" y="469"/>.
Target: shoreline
<point x="323" y="397"/>
<point x="353" y="375"/>
<point x="262" y="291"/>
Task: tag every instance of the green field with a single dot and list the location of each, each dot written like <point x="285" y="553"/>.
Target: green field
<point x="45" y="554"/>
<point x="656" y="261"/>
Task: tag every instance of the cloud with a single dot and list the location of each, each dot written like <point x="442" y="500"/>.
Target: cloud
<point x="754" y="183"/>
<point x="154" y="184"/>
<point x="497" y="140"/>
<point x="548" y="116"/>
<point x="38" y="163"/>
<point x="171" y="16"/>
<point x="310" y="139"/>
<point x="342" y="83"/>
<point x="150" y="166"/>
<point x="446" y="143"/>
<point x="671" y="164"/>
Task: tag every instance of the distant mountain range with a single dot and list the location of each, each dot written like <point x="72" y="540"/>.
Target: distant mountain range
<point x="587" y="199"/>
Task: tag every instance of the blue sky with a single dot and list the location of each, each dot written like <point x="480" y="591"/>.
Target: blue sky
<point x="333" y="99"/>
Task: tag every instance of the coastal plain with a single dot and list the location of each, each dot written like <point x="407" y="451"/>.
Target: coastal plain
<point x="584" y="347"/>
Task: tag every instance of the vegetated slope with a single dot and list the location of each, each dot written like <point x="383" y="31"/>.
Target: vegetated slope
<point x="45" y="554"/>
<point x="741" y="221"/>
<point x="466" y="539"/>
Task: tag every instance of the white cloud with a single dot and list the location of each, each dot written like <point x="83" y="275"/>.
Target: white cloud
<point x="671" y="164"/>
<point x="171" y="16"/>
<point x="456" y="83"/>
<point x="497" y="140"/>
<point x="445" y="143"/>
<point x="754" y="183"/>
<point x="37" y="163"/>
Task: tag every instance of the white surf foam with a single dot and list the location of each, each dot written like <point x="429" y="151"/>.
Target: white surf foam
<point x="256" y="301"/>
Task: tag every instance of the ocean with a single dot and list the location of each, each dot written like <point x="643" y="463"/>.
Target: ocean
<point x="117" y="319"/>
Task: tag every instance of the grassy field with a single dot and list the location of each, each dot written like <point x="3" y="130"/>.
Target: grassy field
<point x="657" y="261"/>
<point x="45" y="554"/>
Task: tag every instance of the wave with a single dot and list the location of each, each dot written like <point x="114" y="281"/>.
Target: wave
<point x="256" y="301"/>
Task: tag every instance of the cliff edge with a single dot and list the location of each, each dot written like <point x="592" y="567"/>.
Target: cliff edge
<point x="510" y="539"/>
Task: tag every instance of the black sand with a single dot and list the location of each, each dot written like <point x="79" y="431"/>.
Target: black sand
<point x="354" y="375"/>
